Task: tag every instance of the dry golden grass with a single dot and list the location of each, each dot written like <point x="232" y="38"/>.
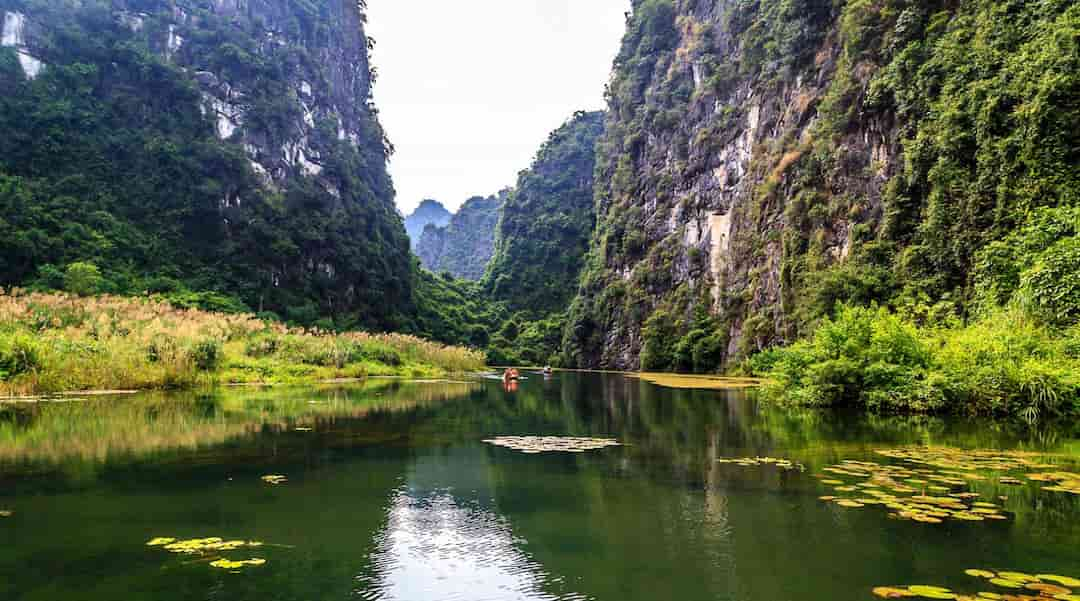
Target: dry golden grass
<point x="51" y="342"/>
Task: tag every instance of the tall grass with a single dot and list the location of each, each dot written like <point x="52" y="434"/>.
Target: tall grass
<point x="52" y="342"/>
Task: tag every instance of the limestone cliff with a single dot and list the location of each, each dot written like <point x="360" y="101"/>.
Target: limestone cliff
<point x="463" y="246"/>
<point x="238" y="137"/>
<point x="429" y="211"/>
<point x="763" y="160"/>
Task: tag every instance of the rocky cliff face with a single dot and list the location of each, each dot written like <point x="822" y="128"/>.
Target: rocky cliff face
<point x="463" y="246"/>
<point x="763" y="160"/>
<point x="427" y="212"/>
<point x="274" y="161"/>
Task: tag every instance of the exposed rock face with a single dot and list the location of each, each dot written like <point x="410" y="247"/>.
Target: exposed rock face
<point x="763" y="161"/>
<point x="428" y="212"/>
<point x="692" y="191"/>
<point x="14" y="35"/>
<point x="306" y="213"/>
<point x="464" y="245"/>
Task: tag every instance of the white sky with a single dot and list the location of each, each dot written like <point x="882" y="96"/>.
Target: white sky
<point x="468" y="90"/>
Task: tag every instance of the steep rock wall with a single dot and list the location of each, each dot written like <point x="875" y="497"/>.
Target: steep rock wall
<point x="763" y="160"/>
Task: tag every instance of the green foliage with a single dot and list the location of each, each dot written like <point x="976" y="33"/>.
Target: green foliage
<point x="19" y="354"/>
<point x="57" y="342"/>
<point x="206" y="354"/>
<point x="83" y="279"/>
<point x="545" y="223"/>
<point x="465" y="244"/>
<point x="110" y="157"/>
<point x="872" y="358"/>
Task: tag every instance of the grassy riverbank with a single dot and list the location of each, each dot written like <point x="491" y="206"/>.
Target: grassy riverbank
<point x="1004" y="363"/>
<point x="59" y="342"/>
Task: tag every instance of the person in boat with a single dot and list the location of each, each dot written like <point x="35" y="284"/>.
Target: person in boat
<point x="547" y="370"/>
<point x="511" y="375"/>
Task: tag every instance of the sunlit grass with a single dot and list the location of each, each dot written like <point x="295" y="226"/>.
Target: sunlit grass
<point x="52" y="342"/>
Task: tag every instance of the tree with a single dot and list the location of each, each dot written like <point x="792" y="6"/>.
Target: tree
<point x="83" y="279"/>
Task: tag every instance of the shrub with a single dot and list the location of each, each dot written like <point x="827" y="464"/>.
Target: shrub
<point x="1004" y="363"/>
<point x="83" y="279"/>
<point x="1052" y="286"/>
<point x="19" y="353"/>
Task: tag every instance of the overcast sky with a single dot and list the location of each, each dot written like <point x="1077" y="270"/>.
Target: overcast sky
<point x="468" y="90"/>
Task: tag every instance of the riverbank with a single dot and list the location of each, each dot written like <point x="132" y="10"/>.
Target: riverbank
<point x="1005" y="363"/>
<point x="53" y="342"/>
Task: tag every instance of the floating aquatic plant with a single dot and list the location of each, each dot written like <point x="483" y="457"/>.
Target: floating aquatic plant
<point x="1045" y="587"/>
<point x="274" y="479"/>
<point x="904" y="490"/>
<point x="784" y="464"/>
<point x="6" y="513"/>
<point x="229" y="564"/>
<point x="210" y="546"/>
<point x="930" y="488"/>
<point x="552" y="444"/>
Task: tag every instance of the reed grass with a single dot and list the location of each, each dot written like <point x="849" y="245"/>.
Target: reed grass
<point x="54" y="342"/>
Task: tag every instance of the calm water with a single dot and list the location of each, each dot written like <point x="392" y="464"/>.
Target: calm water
<point x="392" y="495"/>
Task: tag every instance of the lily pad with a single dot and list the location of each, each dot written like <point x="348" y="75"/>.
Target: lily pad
<point x="888" y="592"/>
<point x="1062" y="580"/>
<point x="932" y="592"/>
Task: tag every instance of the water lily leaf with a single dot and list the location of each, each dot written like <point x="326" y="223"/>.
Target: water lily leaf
<point x="1002" y="582"/>
<point x="1049" y="589"/>
<point x="1062" y="580"/>
<point x="888" y="592"/>
<point x="1018" y="576"/>
<point x="160" y="541"/>
<point x="980" y="573"/>
<point x="932" y="592"/>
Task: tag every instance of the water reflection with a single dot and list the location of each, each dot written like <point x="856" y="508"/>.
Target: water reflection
<point x="392" y="495"/>
<point x="102" y="429"/>
<point x="434" y="547"/>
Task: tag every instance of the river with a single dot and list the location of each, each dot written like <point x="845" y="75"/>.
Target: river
<point x="393" y="490"/>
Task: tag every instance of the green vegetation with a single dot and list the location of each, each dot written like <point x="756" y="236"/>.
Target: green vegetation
<point x="56" y="342"/>
<point x="914" y="224"/>
<point x="111" y="156"/>
<point x="541" y="239"/>
<point x="464" y="245"/>
<point x="1017" y="354"/>
<point x="1004" y="363"/>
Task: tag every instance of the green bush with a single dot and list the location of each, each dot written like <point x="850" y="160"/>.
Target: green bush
<point x="1052" y="285"/>
<point x="1005" y="363"/>
<point x="19" y="353"/>
<point x="83" y="279"/>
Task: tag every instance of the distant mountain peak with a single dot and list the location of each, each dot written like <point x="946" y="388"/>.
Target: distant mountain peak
<point x="429" y="211"/>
